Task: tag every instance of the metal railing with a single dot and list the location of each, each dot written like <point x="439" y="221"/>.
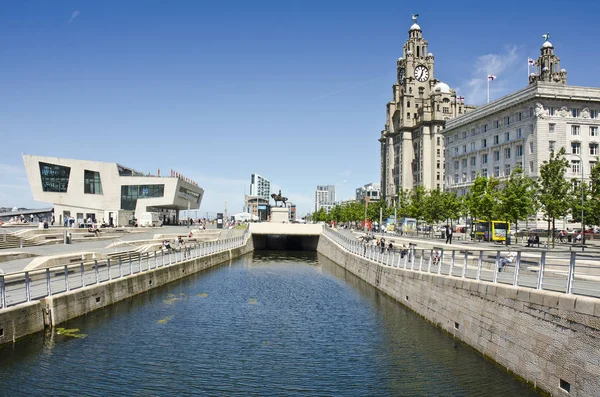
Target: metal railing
<point x="566" y="272"/>
<point x="21" y="287"/>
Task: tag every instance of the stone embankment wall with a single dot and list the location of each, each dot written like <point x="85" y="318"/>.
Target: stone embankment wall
<point x="549" y="339"/>
<point x="26" y="319"/>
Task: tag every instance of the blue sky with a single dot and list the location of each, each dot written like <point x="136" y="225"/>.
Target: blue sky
<point x="294" y="91"/>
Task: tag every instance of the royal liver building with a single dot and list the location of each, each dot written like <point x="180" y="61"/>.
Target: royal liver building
<point x="412" y="149"/>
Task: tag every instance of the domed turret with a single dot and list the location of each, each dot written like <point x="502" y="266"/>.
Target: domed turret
<point x="442" y="88"/>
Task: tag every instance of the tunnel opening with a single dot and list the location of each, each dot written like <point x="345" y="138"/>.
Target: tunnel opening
<point x="283" y="242"/>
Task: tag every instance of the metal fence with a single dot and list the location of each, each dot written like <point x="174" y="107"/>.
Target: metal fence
<point x="21" y="287"/>
<point x="567" y="271"/>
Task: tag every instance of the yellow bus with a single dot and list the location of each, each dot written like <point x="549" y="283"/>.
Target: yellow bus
<point x="500" y="230"/>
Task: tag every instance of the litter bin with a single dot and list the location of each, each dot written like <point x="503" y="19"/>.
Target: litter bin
<point x="443" y="235"/>
<point x="508" y="240"/>
<point x="68" y="238"/>
<point x="569" y="238"/>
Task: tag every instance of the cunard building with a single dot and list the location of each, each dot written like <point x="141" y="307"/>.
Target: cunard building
<point x="412" y="145"/>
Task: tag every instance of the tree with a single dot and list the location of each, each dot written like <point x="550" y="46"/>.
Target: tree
<point x="516" y="200"/>
<point x="403" y="206"/>
<point x="482" y="199"/>
<point x="417" y="203"/>
<point x="554" y="188"/>
<point x="454" y="206"/>
<point x="593" y="215"/>
<point x="433" y="207"/>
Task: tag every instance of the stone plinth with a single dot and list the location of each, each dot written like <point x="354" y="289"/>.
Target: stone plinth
<point x="280" y="215"/>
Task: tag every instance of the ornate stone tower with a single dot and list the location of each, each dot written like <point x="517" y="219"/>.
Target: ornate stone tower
<point x="547" y="66"/>
<point x="412" y="142"/>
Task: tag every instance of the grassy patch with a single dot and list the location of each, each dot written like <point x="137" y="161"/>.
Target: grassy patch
<point x="70" y="332"/>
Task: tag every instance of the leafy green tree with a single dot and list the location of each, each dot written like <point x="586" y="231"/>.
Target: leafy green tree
<point x="454" y="206"/>
<point x="593" y="215"/>
<point x="417" y="203"/>
<point x="482" y="199"/>
<point x="554" y="189"/>
<point x="403" y="206"/>
<point x="375" y="206"/>
<point x="516" y="200"/>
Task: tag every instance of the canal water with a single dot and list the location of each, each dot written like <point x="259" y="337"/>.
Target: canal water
<point x="267" y="324"/>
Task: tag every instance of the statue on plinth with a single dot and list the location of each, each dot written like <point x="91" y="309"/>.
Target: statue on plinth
<point x="278" y="197"/>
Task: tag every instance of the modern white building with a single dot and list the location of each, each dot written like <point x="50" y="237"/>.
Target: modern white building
<point x="260" y="187"/>
<point x="368" y="192"/>
<point x="524" y="127"/>
<point x="325" y="197"/>
<point x="108" y="192"/>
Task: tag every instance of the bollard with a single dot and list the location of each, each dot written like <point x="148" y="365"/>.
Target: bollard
<point x="82" y="271"/>
<point x="67" y="286"/>
<point x="48" y="283"/>
<point x="27" y="287"/>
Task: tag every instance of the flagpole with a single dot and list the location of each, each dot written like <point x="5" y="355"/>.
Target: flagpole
<point x="488" y="91"/>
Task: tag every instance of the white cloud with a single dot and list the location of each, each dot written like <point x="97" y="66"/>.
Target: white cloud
<point x="500" y="65"/>
<point x="73" y="16"/>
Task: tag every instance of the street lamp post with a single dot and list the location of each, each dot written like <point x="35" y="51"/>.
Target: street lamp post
<point x="582" y="202"/>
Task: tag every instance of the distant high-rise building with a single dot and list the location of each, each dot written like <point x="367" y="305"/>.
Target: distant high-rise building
<point x="368" y="192"/>
<point x="324" y="197"/>
<point x="260" y="187"/>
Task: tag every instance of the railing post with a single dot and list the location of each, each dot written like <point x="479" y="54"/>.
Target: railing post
<point x="170" y="258"/>
<point x="140" y="262"/>
<point x="148" y="260"/>
<point x="430" y="260"/>
<point x="495" y="279"/>
<point x="27" y="287"/>
<point x="412" y="259"/>
<point x="48" y="283"/>
<point x="96" y="271"/>
<point x="378" y="252"/>
<point x="108" y="268"/>
<point x="571" y="273"/>
<point x="130" y="265"/>
<point x="517" y="267"/>
<point x="452" y="259"/>
<point x="479" y="265"/>
<point x="162" y="254"/>
<point x="155" y="260"/>
<point x="540" y="280"/>
<point x="82" y="271"/>
<point x="464" y="272"/>
<point x="3" y="303"/>
<point x="67" y="286"/>
<point x="421" y="260"/>
<point x="120" y="268"/>
<point x="441" y="262"/>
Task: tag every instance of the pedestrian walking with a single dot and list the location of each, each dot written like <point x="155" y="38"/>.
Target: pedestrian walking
<point x="448" y="235"/>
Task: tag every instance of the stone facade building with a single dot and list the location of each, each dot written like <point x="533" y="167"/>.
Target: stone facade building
<point x="412" y="150"/>
<point x="521" y="129"/>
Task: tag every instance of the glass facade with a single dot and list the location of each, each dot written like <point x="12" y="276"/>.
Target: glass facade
<point x="131" y="193"/>
<point x="91" y="182"/>
<point x="55" y="178"/>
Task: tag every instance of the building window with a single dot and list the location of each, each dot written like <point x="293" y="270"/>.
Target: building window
<point x="438" y="164"/>
<point x="496" y="123"/>
<point x="530" y="112"/>
<point x="592" y="165"/>
<point x="464" y="148"/>
<point x="464" y="176"/>
<point x="551" y="128"/>
<point x="473" y="175"/>
<point x="593" y="149"/>
<point x="473" y="161"/>
<point x="575" y="112"/>
<point x="507" y="136"/>
<point x="576" y="147"/>
<point x="484" y="172"/>
<point x="519" y="150"/>
<point x="507" y="170"/>
<point x="455" y="178"/>
<point x="484" y="143"/>
<point x="496" y="171"/>
<point x="131" y="193"/>
<point x="456" y="150"/>
<point x="438" y="141"/>
<point x="496" y="155"/>
<point x="407" y="104"/>
<point x="91" y="182"/>
<point x="575" y="130"/>
<point x="445" y="109"/>
<point x="484" y="158"/>
<point x="519" y="132"/>
<point x="463" y="135"/>
<point x="472" y="146"/>
<point x="575" y="166"/>
<point x="464" y="163"/>
<point x="519" y="116"/>
<point x="438" y="152"/>
<point x="552" y="146"/>
<point x="593" y="131"/>
<point x="507" y="153"/>
<point x="506" y="120"/>
<point x="530" y="147"/>
<point x="55" y="178"/>
<point x="593" y="113"/>
<point x="456" y="164"/>
<point x="485" y="128"/>
<point x="496" y="139"/>
<point x="531" y="166"/>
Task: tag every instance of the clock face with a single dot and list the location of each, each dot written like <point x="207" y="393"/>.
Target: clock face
<point x="401" y="73"/>
<point x="421" y="73"/>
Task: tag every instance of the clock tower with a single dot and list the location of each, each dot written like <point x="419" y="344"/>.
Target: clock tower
<point x="412" y="143"/>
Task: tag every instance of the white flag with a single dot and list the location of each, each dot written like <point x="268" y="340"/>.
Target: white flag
<point x="491" y="77"/>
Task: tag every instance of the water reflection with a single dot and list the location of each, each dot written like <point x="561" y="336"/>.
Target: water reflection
<point x="268" y="324"/>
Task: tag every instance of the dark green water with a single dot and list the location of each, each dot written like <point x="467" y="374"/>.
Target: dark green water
<point x="268" y="324"/>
